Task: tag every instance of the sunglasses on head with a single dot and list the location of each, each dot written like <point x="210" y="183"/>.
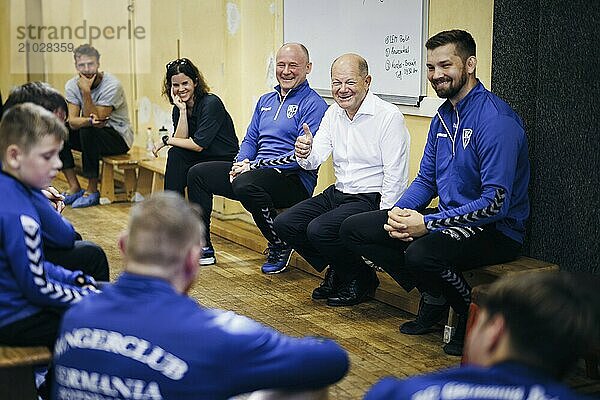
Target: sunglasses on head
<point x="179" y="61"/>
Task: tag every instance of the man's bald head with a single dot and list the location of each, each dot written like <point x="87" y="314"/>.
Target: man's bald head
<point x="358" y="61"/>
<point x="350" y="81"/>
<point x="296" y="46"/>
<point x="292" y="66"/>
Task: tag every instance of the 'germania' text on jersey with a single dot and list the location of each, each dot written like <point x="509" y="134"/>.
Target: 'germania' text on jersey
<point x="79" y="384"/>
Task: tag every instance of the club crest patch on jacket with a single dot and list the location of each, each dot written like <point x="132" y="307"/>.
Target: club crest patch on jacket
<point x="466" y="137"/>
<point x="292" y="110"/>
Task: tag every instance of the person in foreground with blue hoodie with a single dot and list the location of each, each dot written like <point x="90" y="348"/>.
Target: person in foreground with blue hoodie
<point x="144" y="338"/>
<point x="530" y="330"/>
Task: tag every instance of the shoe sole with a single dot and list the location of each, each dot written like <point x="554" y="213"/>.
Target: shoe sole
<point x="85" y="205"/>
<point x="312" y="296"/>
<point x="273" y="272"/>
<point x="207" y="261"/>
<point x="353" y="303"/>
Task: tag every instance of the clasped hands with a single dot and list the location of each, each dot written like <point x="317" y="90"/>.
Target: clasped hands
<point x="56" y="199"/>
<point x="239" y="168"/>
<point x="405" y="224"/>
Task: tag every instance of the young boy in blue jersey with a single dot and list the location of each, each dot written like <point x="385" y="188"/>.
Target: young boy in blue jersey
<point x="476" y="162"/>
<point x="35" y="292"/>
<point x="530" y="330"/>
<point x="62" y="244"/>
<point x="261" y="177"/>
<point x="144" y="336"/>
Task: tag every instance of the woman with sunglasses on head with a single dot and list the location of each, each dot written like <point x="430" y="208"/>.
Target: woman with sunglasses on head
<point x="204" y="129"/>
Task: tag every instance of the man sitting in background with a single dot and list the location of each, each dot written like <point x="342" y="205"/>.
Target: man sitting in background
<point x="144" y="334"/>
<point x="530" y="330"/>
<point x="99" y="118"/>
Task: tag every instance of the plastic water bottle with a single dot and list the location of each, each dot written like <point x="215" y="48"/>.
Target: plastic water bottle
<point x="149" y="141"/>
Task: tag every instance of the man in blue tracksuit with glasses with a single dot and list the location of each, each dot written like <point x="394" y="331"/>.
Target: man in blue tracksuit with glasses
<point x="476" y="162"/>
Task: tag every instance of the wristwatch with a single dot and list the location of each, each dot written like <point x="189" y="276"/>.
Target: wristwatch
<point x="165" y="139"/>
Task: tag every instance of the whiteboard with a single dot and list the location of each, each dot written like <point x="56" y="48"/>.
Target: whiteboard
<point x="389" y="34"/>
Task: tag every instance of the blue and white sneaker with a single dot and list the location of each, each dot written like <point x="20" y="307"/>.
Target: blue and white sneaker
<point x="208" y="256"/>
<point x="277" y="259"/>
<point x="91" y="199"/>
<point x="71" y="197"/>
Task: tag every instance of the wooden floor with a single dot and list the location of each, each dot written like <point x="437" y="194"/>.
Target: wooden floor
<point x="368" y="331"/>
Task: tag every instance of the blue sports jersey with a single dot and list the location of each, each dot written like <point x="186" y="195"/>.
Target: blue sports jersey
<point x="277" y="122"/>
<point x="28" y="283"/>
<point x="504" y="381"/>
<point x="140" y="339"/>
<point x="476" y="161"/>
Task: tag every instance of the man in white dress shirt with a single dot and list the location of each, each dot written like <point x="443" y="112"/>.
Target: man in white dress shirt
<point x="370" y="145"/>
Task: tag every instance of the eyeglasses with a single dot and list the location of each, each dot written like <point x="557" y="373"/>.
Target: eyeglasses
<point x="179" y="61"/>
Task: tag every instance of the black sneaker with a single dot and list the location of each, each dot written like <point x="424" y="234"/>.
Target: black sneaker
<point x="455" y="346"/>
<point x="354" y="292"/>
<point x="328" y="287"/>
<point x="208" y="256"/>
<point x="277" y="259"/>
<point x="427" y="320"/>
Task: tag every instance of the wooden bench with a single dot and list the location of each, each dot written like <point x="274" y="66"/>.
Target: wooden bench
<point x="151" y="176"/>
<point x="389" y="291"/>
<point x="128" y="163"/>
<point x="17" y="364"/>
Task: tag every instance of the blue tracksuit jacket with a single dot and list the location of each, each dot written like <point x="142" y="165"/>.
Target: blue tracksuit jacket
<point x="504" y="381"/>
<point x="28" y="283"/>
<point x="476" y="161"/>
<point x="275" y="125"/>
<point x="140" y="339"/>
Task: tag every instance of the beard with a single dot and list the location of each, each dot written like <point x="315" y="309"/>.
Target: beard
<point x="97" y="79"/>
<point x="452" y="89"/>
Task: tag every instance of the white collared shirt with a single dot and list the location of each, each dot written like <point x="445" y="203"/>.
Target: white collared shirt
<point x="370" y="152"/>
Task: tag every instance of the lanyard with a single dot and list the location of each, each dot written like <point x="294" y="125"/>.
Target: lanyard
<point x="452" y="138"/>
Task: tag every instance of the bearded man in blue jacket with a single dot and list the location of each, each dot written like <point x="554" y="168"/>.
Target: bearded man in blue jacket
<point x="476" y="162"/>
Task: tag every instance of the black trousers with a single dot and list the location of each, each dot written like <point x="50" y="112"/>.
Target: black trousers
<point x="179" y="162"/>
<point x="431" y="263"/>
<point x="84" y="256"/>
<point x="39" y="329"/>
<point x="313" y="229"/>
<point x="94" y="143"/>
<point x="260" y="191"/>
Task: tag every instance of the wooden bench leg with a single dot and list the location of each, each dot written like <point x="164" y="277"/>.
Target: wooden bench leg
<point x="18" y="383"/>
<point x="107" y="184"/>
<point x="130" y="182"/>
<point x="144" y="183"/>
<point x="158" y="185"/>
